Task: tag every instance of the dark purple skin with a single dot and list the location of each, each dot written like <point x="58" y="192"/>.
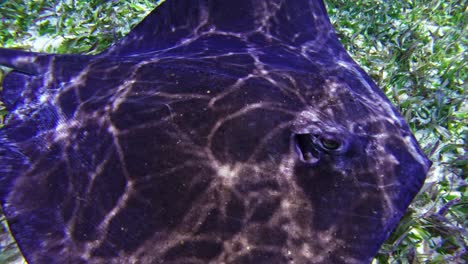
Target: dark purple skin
<point x="215" y="132"/>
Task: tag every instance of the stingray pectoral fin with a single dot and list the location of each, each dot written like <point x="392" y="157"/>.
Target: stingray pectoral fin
<point x="179" y="22"/>
<point x="161" y="29"/>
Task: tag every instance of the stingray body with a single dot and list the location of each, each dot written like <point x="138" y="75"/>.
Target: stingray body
<point x="215" y="132"/>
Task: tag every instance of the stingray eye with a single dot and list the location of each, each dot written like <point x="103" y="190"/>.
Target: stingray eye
<point x="330" y="144"/>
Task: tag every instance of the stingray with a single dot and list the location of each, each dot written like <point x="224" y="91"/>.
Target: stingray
<point x="214" y="132"/>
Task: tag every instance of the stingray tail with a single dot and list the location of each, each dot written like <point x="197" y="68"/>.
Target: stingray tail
<point x="23" y="61"/>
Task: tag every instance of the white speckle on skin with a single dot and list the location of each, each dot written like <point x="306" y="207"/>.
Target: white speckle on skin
<point x="44" y="98"/>
<point x="227" y="172"/>
<point x="62" y="131"/>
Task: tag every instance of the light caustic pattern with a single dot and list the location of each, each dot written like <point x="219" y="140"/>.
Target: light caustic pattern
<point x="210" y="134"/>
